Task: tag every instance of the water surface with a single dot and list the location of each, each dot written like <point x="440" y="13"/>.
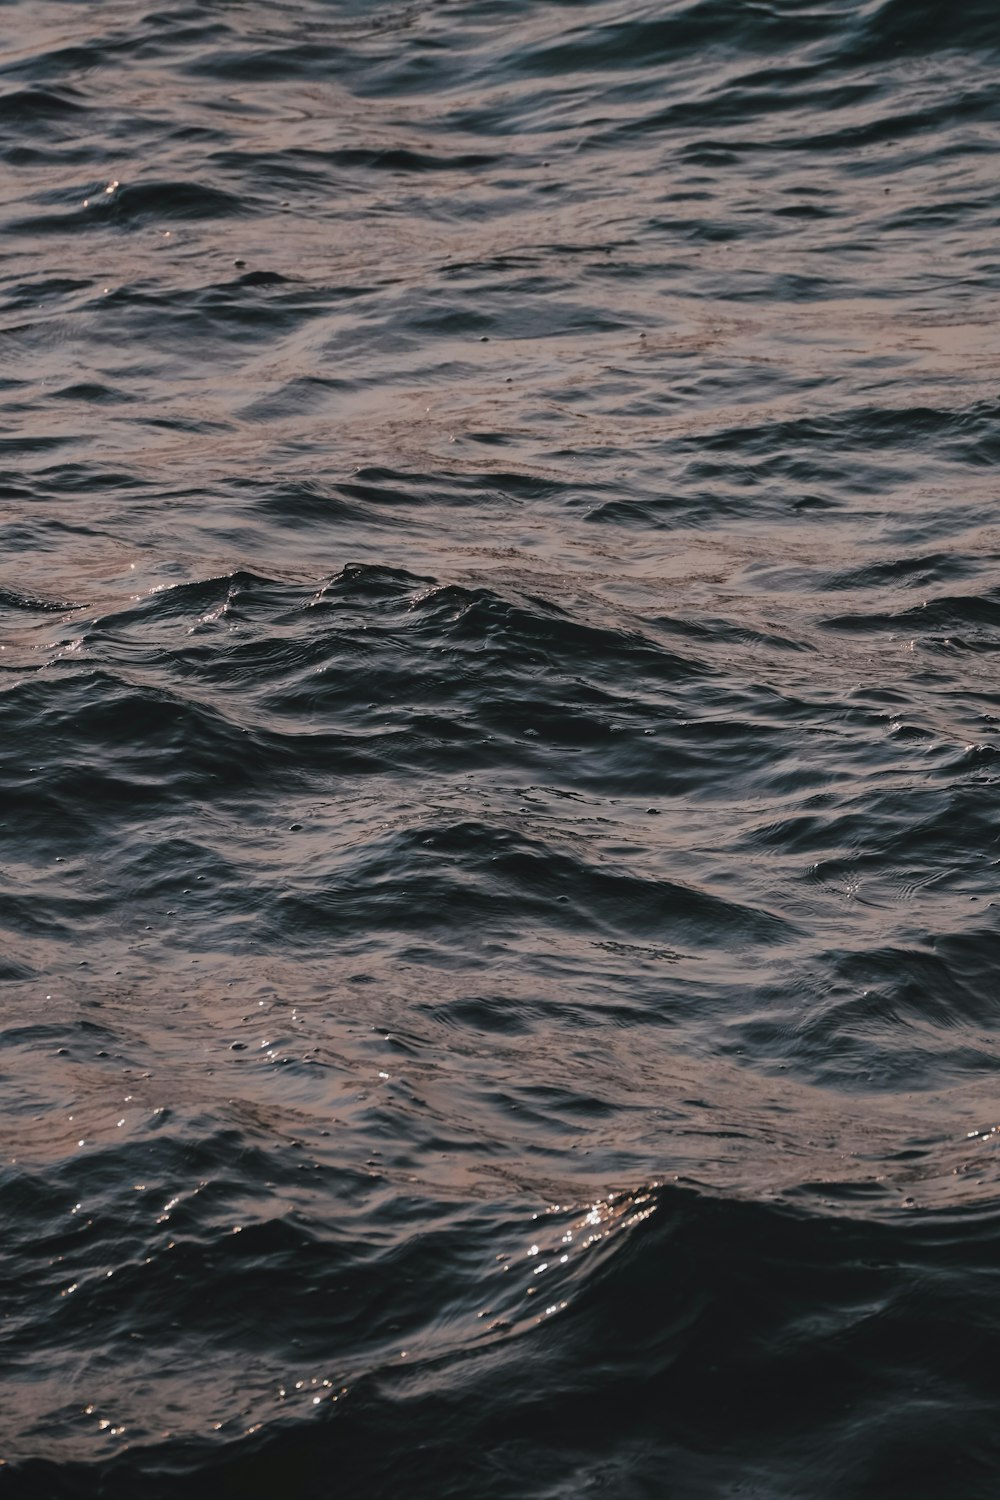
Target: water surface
<point x="499" y="616"/>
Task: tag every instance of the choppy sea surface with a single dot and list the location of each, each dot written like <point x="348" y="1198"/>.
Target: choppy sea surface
<point x="500" y="721"/>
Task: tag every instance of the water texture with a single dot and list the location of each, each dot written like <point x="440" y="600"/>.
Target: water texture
<point x="499" y="634"/>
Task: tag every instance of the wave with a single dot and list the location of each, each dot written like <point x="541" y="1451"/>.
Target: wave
<point x="670" y="1337"/>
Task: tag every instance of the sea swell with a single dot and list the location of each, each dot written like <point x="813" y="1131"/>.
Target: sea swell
<point x="499" y="794"/>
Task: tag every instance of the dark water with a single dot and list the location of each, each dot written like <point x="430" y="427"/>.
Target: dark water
<point x="500" y="639"/>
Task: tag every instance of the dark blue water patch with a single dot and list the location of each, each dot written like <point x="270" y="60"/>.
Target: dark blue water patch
<point x="170" y="200"/>
<point x="315" y="165"/>
<point x="920" y="572"/>
<point x="226" y="318"/>
<point x="424" y="880"/>
<point x="380" y="486"/>
<point x="351" y="49"/>
<point x="262" y="278"/>
<point x="169" y="747"/>
<point x="96" y="392"/>
<point x="524" y="634"/>
<point x="928" y="27"/>
<point x="20" y="603"/>
<point x="971" y="619"/>
<point x="272" y="632"/>
<point x="889" y="1021"/>
<point x="123" y="207"/>
<point x="78" y="478"/>
<point x="304" y="504"/>
<point x="27" y="444"/>
<point x="34" y="291"/>
<point x="639" y="43"/>
<point x="38" y="106"/>
<point x="12" y="970"/>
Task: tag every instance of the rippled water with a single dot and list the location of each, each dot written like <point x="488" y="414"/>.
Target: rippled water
<point x="498" y="681"/>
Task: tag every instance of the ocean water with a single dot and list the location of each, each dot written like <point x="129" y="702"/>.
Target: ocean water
<point x="499" y="838"/>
